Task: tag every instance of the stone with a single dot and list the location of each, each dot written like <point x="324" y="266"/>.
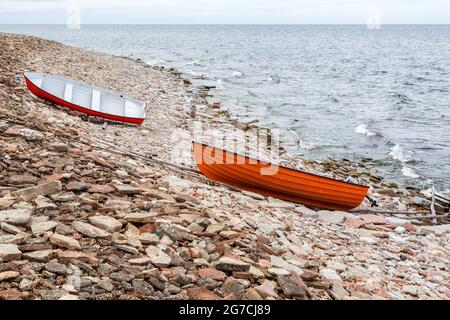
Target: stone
<point x="13" y="239"/>
<point x="10" y="228"/>
<point x="231" y="264"/>
<point x="8" y="275"/>
<point x="291" y="287"/>
<point x="438" y="229"/>
<point x="26" y="133"/>
<point x="333" y="217"/>
<point x="56" y="267"/>
<point x="18" y="180"/>
<point x="77" y="186"/>
<point x="106" y="284"/>
<point x="16" y="216"/>
<point x="252" y="294"/>
<point x="59" y="147"/>
<point x="338" y="291"/>
<point x="140" y="217"/>
<point x="202" y="294"/>
<point x="330" y="274"/>
<point x="158" y="257"/>
<point x="233" y="286"/>
<point x="368" y="240"/>
<point x="121" y="276"/>
<point x="38" y="256"/>
<point x="43" y="203"/>
<point x="281" y="263"/>
<point x="140" y="261"/>
<point x="149" y="238"/>
<point x="9" y="252"/>
<point x="212" y="274"/>
<point x="373" y="219"/>
<point x="69" y="297"/>
<point x="64" y="241"/>
<point x="144" y="288"/>
<point x="256" y="273"/>
<point x="101" y="188"/>
<point x="106" y="223"/>
<point x="40" y="228"/>
<point x="90" y="230"/>
<point x="335" y="265"/>
<point x="215" y="228"/>
<point x="278" y="272"/>
<point x="399" y="230"/>
<point x="411" y="290"/>
<point x="267" y="289"/>
<point x="44" y="189"/>
<point x="127" y="189"/>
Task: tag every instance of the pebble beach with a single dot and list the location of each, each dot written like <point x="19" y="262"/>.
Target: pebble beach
<point x="94" y="210"/>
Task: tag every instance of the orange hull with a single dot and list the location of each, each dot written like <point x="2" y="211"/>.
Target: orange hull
<point x="275" y="181"/>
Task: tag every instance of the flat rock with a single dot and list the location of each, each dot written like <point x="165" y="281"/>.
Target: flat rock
<point x="9" y="252"/>
<point x="140" y="217"/>
<point x="8" y="275"/>
<point x="202" y="294"/>
<point x="330" y="274"/>
<point x="333" y="217"/>
<point x="231" y="264"/>
<point x="43" y="189"/>
<point x="291" y="287"/>
<point x="212" y="274"/>
<point x="64" y="241"/>
<point x="40" y="228"/>
<point x="127" y="189"/>
<point x="101" y="188"/>
<point x="267" y="289"/>
<point x="38" y="256"/>
<point x="90" y="230"/>
<point x="16" y="216"/>
<point x="158" y="257"/>
<point x="106" y="223"/>
<point x="77" y="186"/>
<point x="18" y="180"/>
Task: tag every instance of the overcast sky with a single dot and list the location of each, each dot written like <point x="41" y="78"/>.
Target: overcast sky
<point x="227" y="11"/>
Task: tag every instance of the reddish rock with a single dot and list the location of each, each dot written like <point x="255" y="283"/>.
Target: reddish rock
<point x="212" y="274"/>
<point x="372" y="218"/>
<point x="148" y="228"/>
<point x="77" y="186"/>
<point x="202" y="294"/>
<point x="10" y="294"/>
<point x="354" y="222"/>
<point x="99" y="188"/>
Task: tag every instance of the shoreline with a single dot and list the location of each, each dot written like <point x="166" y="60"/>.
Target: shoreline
<point x="132" y="228"/>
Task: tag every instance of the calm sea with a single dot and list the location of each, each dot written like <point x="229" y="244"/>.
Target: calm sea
<point x="334" y="91"/>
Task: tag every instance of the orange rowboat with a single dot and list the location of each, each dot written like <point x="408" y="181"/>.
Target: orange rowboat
<point x="276" y="181"/>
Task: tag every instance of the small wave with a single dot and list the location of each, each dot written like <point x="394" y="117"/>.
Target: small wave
<point x="401" y="154"/>
<point x="237" y="74"/>
<point x="362" y="128"/>
<point x="195" y="63"/>
<point x="409" y="172"/>
<point x="196" y="75"/>
<point x="155" y="62"/>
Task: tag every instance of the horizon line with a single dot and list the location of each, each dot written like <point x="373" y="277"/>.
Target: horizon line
<point x="232" y="24"/>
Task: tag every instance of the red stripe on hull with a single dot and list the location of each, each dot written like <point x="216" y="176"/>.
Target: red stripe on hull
<point x="49" y="97"/>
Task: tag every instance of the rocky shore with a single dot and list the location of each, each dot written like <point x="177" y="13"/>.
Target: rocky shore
<point x="91" y="210"/>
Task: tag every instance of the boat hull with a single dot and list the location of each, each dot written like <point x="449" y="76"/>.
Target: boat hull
<point x="275" y="181"/>
<point x="49" y="97"/>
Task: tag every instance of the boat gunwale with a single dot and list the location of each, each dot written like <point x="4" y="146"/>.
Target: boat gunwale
<point x="143" y="104"/>
<point x="90" y="110"/>
<point x="284" y="167"/>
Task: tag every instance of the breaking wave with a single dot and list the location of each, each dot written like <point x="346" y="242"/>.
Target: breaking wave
<point x="362" y="129"/>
